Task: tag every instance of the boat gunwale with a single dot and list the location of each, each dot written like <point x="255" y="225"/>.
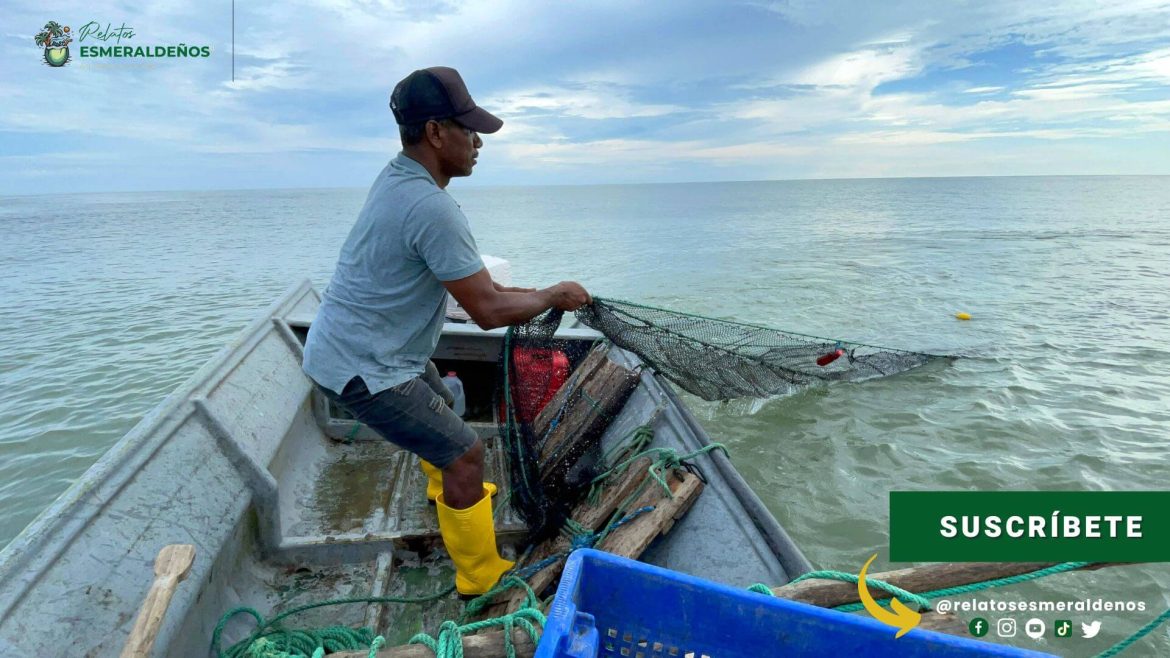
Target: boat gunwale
<point x="42" y="541"/>
<point x="791" y="558"/>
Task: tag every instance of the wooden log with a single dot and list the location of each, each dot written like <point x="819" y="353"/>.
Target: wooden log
<point x="631" y="539"/>
<point x="592" y="361"/>
<point x="488" y="644"/>
<point x="944" y="622"/>
<point x="170" y="568"/>
<point x="593" y="517"/>
<point x="924" y="578"/>
<point x="595" y="400"/>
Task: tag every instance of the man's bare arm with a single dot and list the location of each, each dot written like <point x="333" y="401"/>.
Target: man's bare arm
<point x="500" y="288"/>
<point x="491" y="307"/>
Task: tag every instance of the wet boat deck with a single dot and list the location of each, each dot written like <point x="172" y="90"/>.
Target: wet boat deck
<point x="372" y="488"/>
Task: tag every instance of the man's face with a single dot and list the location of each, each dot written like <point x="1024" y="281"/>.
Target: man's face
<point x="460" y="149"/>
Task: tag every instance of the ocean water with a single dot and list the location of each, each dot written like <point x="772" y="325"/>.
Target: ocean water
<point x="110" y="301"/>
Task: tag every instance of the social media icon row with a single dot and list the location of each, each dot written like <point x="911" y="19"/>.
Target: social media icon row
<point x="1033" y="628"/>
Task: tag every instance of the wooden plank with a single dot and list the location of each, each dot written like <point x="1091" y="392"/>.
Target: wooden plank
<point x="594" y="402"/>
<point x="592" y="361"/>
<point x="924" y="578"/>
<point x="944" y="622"/>
<point x="593" y="517"/>
<point x="170" y="568"/>
<point x="488" y="644"/>
<point x="631" y="539"/>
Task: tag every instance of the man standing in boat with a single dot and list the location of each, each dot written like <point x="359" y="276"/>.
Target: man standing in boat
<point x="370" y="346"/>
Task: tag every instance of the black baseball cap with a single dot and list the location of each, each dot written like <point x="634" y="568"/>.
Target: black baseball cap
<point x="439" y="93"/>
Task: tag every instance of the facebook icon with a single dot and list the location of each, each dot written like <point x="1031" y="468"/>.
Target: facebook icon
<point x="978" y="627"/>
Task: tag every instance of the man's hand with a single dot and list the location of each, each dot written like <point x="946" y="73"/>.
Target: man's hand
<point x="570" y="296"/>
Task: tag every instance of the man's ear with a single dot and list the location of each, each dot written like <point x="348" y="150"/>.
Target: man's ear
<point x="431" y="133"/>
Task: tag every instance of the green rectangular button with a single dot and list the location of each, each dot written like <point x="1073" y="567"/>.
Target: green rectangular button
<point x="1030" y="526"/>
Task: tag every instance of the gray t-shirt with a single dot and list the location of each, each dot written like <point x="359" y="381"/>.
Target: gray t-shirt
<point x="381" y="316"/>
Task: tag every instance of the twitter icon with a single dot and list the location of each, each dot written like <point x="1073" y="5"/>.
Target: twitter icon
<point x="1090" y="630"/>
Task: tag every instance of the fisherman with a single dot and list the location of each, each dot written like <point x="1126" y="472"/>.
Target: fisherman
<point x="369" y="348"/>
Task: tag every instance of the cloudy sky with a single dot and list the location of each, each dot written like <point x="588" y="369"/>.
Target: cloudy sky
<point x="591" y="91"/>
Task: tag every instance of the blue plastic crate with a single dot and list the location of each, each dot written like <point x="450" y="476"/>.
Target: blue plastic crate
<point x="610" y="606"/>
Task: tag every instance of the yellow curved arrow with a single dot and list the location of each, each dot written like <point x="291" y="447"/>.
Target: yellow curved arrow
<point x="902" y="618"/>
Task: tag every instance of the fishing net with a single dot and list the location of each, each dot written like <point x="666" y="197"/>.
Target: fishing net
<point x="556" y="399"/>
<point x="721" y="360"/>
<point x="713" y="359"/>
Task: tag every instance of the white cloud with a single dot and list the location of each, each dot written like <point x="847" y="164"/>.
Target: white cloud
<point x="796" y="95"/>
<point x="596" y="102"/>
<point x="862" y="69"/>
<point x="280" y="74"/>
<point x="633" y="152"/>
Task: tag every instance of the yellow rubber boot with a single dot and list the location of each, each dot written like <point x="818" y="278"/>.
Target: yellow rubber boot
<point x="435" y="481"/>
<point x="470" y="537"/>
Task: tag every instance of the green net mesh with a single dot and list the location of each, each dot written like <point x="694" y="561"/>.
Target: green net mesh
<point x="720" y="360"/>
<point x="713" y="359"/>
<point x="547" y="476"/>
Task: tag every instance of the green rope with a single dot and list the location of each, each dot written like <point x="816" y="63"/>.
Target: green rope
<point x="574" y="529"/>
<point x="449" y="642"/>
<point x="667" y="458"/>
<point x="268" y="640"/>
<point x="477" y="605"/>
<point x="635" y="442"/>
<point x="282" y="643"/>
<point x="980" y="586"/>
<point x="924" y="603"/>
<point x="1139" y="634"/>
<point x="579" y="535"/>
<point x="920" y="601"/>
<point x="1007" y="580"/>
<point x="302" y="644"/>
<point x="352" y="433"/>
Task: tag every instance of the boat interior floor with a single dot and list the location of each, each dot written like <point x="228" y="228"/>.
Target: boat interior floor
<point x="369" y="498"/>
<point x="372" y="489"/>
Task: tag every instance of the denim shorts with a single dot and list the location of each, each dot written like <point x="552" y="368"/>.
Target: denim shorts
<point x="415" y="415"/>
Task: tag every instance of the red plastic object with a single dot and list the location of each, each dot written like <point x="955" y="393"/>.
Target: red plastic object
<point x="826" y="359"/>
<point x="537" y="375"/>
